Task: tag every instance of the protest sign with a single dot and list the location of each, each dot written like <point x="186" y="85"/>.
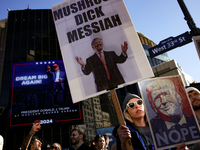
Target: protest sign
<point x="85" y="28"/>
<point x="170" y="115"/>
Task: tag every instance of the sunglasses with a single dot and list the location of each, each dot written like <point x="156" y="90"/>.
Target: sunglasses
<point x="132" y="104"/>
<point x="73" y="134"/>
<point x="54" y="147"/>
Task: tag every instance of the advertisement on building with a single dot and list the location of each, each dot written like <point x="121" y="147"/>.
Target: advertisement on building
<point x="169" y="112"/>
<point x="99" y="45"/>
<point x="39" y="91"/>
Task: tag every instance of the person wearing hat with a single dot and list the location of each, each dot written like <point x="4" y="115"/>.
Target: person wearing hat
<point x="136" y="128"/>
<point x="194" y="96"/>
<point x="136" y="125"/>
<point x="59" y="83"/>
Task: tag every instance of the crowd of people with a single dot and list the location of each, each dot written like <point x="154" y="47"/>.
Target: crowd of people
<point x="33" y="142"/>
<point x="136" y="128"/>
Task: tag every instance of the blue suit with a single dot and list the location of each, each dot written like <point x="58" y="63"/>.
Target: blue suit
<point x="62" y="76"/>
<point x="59" y="88"/>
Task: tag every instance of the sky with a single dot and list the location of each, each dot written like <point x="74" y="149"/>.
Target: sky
<point x="156" y="19"/>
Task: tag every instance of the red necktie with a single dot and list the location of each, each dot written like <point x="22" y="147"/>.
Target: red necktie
<point x="104" y="63"/>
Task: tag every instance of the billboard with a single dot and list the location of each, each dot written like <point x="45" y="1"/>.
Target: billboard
<point x="99" y="45"/>
<point x="170" y="114"/>
<point x="39" y="91"/>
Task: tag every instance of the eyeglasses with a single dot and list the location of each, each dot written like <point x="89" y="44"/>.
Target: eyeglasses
<point x="73" y="134"/>
<point x="54" y="147"/>
<point x="132" y="104"/>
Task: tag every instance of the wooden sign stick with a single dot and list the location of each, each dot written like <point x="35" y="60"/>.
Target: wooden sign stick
<point x="120" y="115"/>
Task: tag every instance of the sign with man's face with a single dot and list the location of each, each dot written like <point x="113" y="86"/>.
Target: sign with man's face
<point x="123" y="59"/>
<point x="169" y="112"/>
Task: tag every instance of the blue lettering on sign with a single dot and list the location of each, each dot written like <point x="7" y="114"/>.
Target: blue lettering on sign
<point x="170" y="43"/>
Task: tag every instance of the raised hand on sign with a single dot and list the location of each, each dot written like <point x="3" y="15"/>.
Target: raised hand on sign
<point x="80" y="61"/>
<point x="124" y="47"/>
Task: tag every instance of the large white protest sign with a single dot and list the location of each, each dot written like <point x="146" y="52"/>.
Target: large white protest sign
<point x="107" y="24"/>
<point x="170" y="115"/>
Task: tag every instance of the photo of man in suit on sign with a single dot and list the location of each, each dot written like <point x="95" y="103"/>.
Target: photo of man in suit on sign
<point x="103" y="64"/>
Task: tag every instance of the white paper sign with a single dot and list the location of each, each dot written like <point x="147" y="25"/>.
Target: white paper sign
<point x="108" y="24"/>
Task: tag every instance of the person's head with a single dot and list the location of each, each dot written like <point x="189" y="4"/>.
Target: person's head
<point x="55" y="146"/>
<point x="35" y="143"/>
<point x="194" y="96"/>
<point x="99" y="142"/>
<point x="106" y="140"/>
<point x="164" y="98"/>
<point x="133" y="108"/>
<point x="55" y="67"/>
<point x="77" y="136"/>
<point x="97" y="44"/>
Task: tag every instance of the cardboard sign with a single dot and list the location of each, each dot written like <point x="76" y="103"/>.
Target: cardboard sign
<point x="170" y="115"/>
<point x="85" y="28"/>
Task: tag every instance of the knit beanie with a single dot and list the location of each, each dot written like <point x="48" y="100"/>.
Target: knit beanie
<point x="192" y="89"/>
<point x="127" y="98"/>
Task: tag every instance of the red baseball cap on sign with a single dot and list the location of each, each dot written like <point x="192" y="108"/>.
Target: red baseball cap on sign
<point x="55" y="65"/>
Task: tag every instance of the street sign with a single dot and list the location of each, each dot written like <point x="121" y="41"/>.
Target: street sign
<point x="169" y="44"/>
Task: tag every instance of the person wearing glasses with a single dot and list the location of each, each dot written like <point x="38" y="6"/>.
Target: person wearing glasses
<point x="77" y="139"/>
<point x="137" y="127"/>
<point x="55" y="146"/>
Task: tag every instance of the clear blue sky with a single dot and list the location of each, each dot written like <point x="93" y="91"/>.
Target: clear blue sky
<point x="156" y="19"/>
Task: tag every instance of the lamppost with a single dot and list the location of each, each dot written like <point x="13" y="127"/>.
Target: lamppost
<point x="194" y="30"/>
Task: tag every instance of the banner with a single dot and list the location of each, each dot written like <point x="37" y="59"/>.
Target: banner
<point x="170" y="115"/>
<point x="39" y="91"/>
<point x="100" y="46"/>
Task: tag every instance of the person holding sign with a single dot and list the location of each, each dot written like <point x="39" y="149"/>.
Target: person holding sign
<point x="137" y="128"/>
<point x="104" y="65"/>
<point x="136" y="125"/>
